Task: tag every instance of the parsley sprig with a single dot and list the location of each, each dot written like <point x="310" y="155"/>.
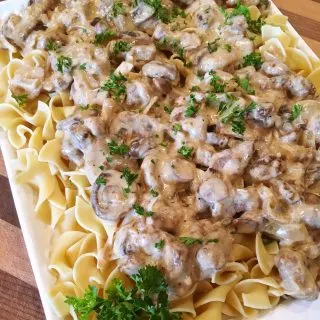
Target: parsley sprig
<point x="245" y="85"/>
<point x="160" y="245"/>
<point x="20" y="99"/>
<point x="191" y="109"/>
<point x="217" y="83"/>
<point x="117" y="9"/>
<point x="64" y="64"/>
<point x="129" y="177"/>
<point x="103" y="37"/>
<point x="295" y="112"/>
<point x="185" y="152"/>
<point x="253" y="59"/>
<point x="115" y="86"/>
<point x="118" y="149"/>
<point x="141" y="211"/>
<point x="121" y="46"/>
<point x="147" y="300"/>
<point x="101" y="181"/>
<point x="52" y="45"/>
<point x="189" y="241"/>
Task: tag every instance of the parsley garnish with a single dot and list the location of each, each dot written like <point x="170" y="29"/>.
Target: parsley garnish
<point x="245" y="85"/>
<point x="121" y="46"/>
<point x="84" y="107"/>
<point x="159" y="245"/>
<point x="167" y="109"/>
<point x="188" y="241"/>
<point x="20" y="99"/>
<point x="295" y="112"/>
<point x="213" y="46"/>
<point x="176" y="12"/>
<point x="185" y="151"/>
<point x="83" y="66"/>
<point x="154" y="193"/>
<point x="141" y="211"/>
<point x="52" y="45"/>
<point x="129" y="177"/>
<point x="211" y="99"/>
<point x="147" y="300"/>
<point x="164" y="144"/>
<point x="101" y="167"/>
<point x="115" y="86"/>
<point x="217" y="83"/>
<point x="101" y="181"/>
<point x="64" y="64"/>
<point x="103" y="37"/>
<point x="117" y="9"/>
<point x="253" y="59"/>
<point x="162" y="13"/>
<point x="191" y="109"/>
<point x="120" y="150"/>
<point x="195" y="88"/>
<point x="176" y="127"/>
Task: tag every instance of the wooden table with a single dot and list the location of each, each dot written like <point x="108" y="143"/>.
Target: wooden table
<point x="19" y="297"/>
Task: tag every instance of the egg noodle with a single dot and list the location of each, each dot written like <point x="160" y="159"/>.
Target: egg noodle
<point x="246" y="285"/>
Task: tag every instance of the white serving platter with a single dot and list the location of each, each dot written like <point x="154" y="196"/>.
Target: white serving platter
<point x="37" y="234"/>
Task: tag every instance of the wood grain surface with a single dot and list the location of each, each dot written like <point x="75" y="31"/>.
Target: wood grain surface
<point x="19" y="297"/>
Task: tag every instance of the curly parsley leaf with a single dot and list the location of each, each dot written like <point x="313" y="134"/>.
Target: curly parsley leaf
<point x="154" y="193"/>
<point x="103" y="37"/>
<point x="189" y="241"/>
<point x="191" y="109"/>
<point x="185" y="152"/>
<point x="64" y="64"/>
<point x="217" y="83"/>
<point x="119" y="149"/>
<point x="83" y="66"/>
<point x="295" y="112"/>
<point x="176" y="128"/>
<point x="115" y="86"/>
<point x="160" y="245"/>
<point x="117" y="9"/>
<point x="129" y="177"/>
<point x="101" y="181"/>
<point x="20" y="99"/>
<point x="52" y="45"/>
<point x="141" y="211"/>
<point x="167" y="109"/>
<point x="121" y="46"/>
<point x="253" y="59"/>
<point x="245" y="85"/>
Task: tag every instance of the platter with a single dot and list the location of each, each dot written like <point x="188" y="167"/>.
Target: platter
<point x="37" y="235"/>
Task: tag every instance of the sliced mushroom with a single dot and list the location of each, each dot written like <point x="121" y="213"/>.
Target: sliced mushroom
<point x="233" y="161"/>
<point x="262" y="114"/>
<point x="108" y="198"/>
<point x="142" y="12"/>
<point x="274" y="68"/>
<point x="297" y="280"/>
<point x="138" y="93"/>
<point x="299" y="86"/>
<point x="158" y="69"/>
<point x="266" y="168"/>
<point x="177" y="171"/>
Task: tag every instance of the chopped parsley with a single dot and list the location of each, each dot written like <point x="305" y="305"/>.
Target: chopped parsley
<point x="154" y="193"/>
<point x="253" y="59"/>
<point x="191" y="109"/>
<point x="189" y="242"/>
<point x="152" y="161"/>
<point x="117" y="9"/>
<point x="211" y="99"/>
<point x="20" y="99"/>
<point x="141" y="211"/>
<point x="195" y="88"/>
<point x="101" y="181"/>
<point x="176" y="127"/>
<point x="84" y="107"/>
<point x="103" y="37"/>
<point x="295" y="112"/>
<point x="83" y="66"/>
<point x="177" y="12"/>
<point x="161" y="12"/>
<point x="167" y="109"/>
<point x="52" y="45"/>
<point x="214" y="45"/>
<point x="245" y="85"/>
<point x="164" y="144"/>
<point x="121" y="46"/>
<point x="147" y="300"/>
<point x="119" y="149"/>
<point x="185" y="152"/>
<point x="217" y="83"/>
<point x="129" y="177"/>
<point x="101" y="167"/>
<point x="159" y="245"/>
<point x="115" y="86"/>
<point x="64" y="64"/>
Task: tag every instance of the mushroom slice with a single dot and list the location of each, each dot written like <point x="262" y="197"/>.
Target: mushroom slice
<point x="158" y="69"/>
<point x="141" y="13"/>
<point x="177" y="171"/>
<point x="297" y="280"/>
<point x="108" y="198"/>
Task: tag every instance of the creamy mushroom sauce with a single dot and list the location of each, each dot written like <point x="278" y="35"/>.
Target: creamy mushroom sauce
<point x="186" y="142"/>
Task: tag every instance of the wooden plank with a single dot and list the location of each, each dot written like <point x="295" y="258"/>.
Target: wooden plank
<point x="13" y="253"/>
<point x="8" y="210"/>
<point x="313" y="44"/>
<point x="307" y="8"/>
<point x="18" y="300"/>
<point x="3" y="171"/>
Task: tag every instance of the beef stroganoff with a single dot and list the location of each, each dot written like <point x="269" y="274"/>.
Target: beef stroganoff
<point x="173" y="148"/>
